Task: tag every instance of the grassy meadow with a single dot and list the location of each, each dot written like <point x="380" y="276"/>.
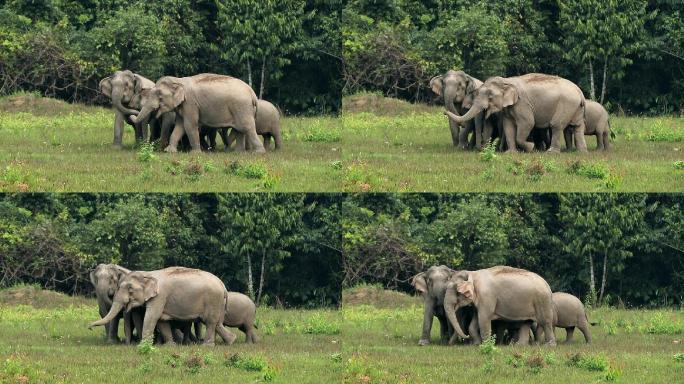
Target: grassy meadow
<point x="45" y="339"/>
<point x="391" y="145"/>
<point x="49" y="145"/>
<point x="629" y="346"/>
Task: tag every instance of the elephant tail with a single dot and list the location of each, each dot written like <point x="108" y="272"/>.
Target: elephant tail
<point x="593" y="324"/>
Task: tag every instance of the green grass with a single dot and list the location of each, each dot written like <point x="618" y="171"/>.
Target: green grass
<point x="404" y="147"/>
<point x="49" y="342"/>
<point x="49" y="145"/>
<point x="385" y="349"/>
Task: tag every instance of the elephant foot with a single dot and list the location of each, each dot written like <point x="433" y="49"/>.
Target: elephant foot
<point x="551" y="343"/>
<point x="553" y="150"/>
<point x="196" y="151"/>
<point x="511" y="151"/>
<point x="170" y="149"/>
<point x="423" y="342"/>
<point x="260" y="150"/>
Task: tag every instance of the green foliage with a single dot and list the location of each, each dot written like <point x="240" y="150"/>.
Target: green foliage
<point x="678" y="165"/>
<point x="146" y="153"/>
<point x="589" y="362"/>
<point x="321" y="134"/>
<point x="247" y="362"/>
<point x="248" y="170"/>
<point x="488" y="152"/>
<point x="678" y="357"/>
<point x="321" y="325"/>
<point x="662" y="132"/>
<point x="488" y="347"/>
<point x="146" y="347"/>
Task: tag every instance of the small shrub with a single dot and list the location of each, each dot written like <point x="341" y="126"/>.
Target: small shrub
<point x="678" y="357"/>
<point x="678" y="165"/>
<point x="588" y="362"/>
<point x="660" y="132"/>
<point x="488" y="152"/>
<point x="591" y="171"/>
<point x="488" y="347"/>
<point x="337" y="165"/>
<point x="194" y="362"/>
<point x="146" y="153"/>
<point x="321" y="134"/>
<point x="536" y="169"/>
<point x="321" y="325"/>
<point x="536" y="363"/>
<point x="612" y="374"/>
<point x="146" y="347"/>
<point x="659" y="325"/>
<point x="336" y="357"/>
<point x="270" y="181"/>
<point x="248" y="170"/>
<point x="174" y="168"/>
<point x="247" y="363"/>
<point x="613" y="181"/>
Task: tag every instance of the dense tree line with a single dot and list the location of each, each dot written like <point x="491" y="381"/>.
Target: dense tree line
<point x="288" y="50"/>
<point x="605" y="248"/>
<point x="283" y="249"/>
<point x="628" y="54"/>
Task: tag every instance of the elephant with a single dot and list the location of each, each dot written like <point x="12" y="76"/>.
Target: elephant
<point x="432" y="285"/>
<point x="527" y="102"/>
<point x="174" y="293"/>
<point x="596" y="123"/>
<point x="121" y="88"/>
<point x="208" y="100"/>
<point x="457" y="89"/>
<point x="241" y="313"/>
<point x="160" y="127"/>
<point x="105" y="278"/>
<point x="569" y="313"/>
<point x="500" y="293"/>
<point x="267" y="126"/>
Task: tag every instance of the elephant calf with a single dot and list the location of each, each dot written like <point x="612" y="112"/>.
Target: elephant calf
<point x="570" y="313"/>
<point x="241" y="313"/>
<point x="596" y="123"/>
<point x="267" y="126"/>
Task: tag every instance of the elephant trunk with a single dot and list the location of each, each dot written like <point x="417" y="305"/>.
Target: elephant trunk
<point x="102" y="290"/>
<point x="142" y="116"/>
<point x="113" y="312"/>
<point x="472" y="112"/>
<point x="116" y="102"/>
<point x="450" y="309"/>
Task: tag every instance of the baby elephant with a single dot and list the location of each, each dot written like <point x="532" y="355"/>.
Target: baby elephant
<point x="569" y="313"/>
<point x="240" y="313"/>
<point x="596" y="123"/>
<point x="267" y="126"/>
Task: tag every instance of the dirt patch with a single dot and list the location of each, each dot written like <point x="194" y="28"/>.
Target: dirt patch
<point x="41" y="106"/>
<point x="384" y="106"/>
<point x="377" y="297"/>
<point x="40" y="298"/>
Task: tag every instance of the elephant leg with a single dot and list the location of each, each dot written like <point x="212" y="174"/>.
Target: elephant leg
<point x="569" y="332"/>
<point x="166" y="332"/>
<point x="137" y="317"/>
<point x="549" y="334"/>
<point x="241" y="142"/>
<point x="118" y="129"/>
<point x="523" y="129"/>
<point x="536" y="332"/>
<point x="443" y="329"/>
<point x="128" y="327"/>
<point x="176" y="135"/>
<point x="567" y="134"/>
<point x="267" y="141"/>
<point x="487" y="132"/>
<point x="463" y="135"/>
<point x="223" y="132"/>
<point x="198" y="329"/>
<point x="428" y="314"/>
<point x="485" y="324"/>
<point x="524" y="334"/>
<point x="251" y="337"/>
<point x="167" y="124"/>
<point x="113" y="336"/>
<point x="248" y="127"/>
<point x="152" y="315"/>
<point x="227" y="336"/>
<point x="474" y="330"/>
<point x="277" y="140"/>
<point x="606" y="139"/>
<point x="580" y="142"/>
<point x="192" y="131"/>
<point x="557" y="130"/>
<point x="478" y="123"/>
<point x="500" y="329"/>
<point x="509" y="131"/>
<point x="584" y="328"/>
<point x="454" y="129"/>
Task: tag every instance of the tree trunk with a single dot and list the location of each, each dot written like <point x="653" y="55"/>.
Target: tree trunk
<point x="592" y="90"/>
<point x="603" y="278"/>
<point x="250" y="281"/>
<point x="605" y="81"/>
<point x="592" y="284"/>
<point x="261" y="277"/>
<point x="249" y="73"/>
<point x="261" y="84"/>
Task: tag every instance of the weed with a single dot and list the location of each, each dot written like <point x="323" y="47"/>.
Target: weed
<point x="336" y="357"/>
<point x="612" y="374"/>
<point x="661" y="132"/>
<point x="591" y="171"/>
<point x="194" y="362"/>
<point x="487" y="175"/>
<point x="536" y="169"/>
<point x="270" y="181"/>
<point x="613" y="181"/>
<point x="248" y="170"/>
<point x="589" y="362"/>
<point x="320" y="134"/>
<point x="678" y="357"/>
<point x="209" y="166"/>
<point x="488" y="347"/>
<point x="146" y="153"/>
<point x="659" y="325"/>
<point x="147" y="348"/>
<point x="321" y="325"/>
<point x="358" y="177"/>
<point x="678" y="165"/>
<point x="536" y="362"/>
<point x="337" y="165"/>
<point x="488" y="152"/>
<point x="246" y="362"/>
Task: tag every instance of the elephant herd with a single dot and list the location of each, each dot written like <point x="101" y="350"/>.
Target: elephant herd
<point x="164" y="305"/>
<point x="531" y="111"/>
<point x="192" y="110"/>
<point x="502" y="301"/>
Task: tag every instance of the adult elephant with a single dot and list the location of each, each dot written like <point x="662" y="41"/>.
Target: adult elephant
<point x="122" y="87"/>
<point x="432" y="285"/>
<point x="173" y="293"/>
<point x="456" y="88"/>
<point x="204" y="100"/>
<point x="527" y="102"/>
<point x="160" y="126"/>
<point x="105" y="278"/>
<point x="500" y="293"/>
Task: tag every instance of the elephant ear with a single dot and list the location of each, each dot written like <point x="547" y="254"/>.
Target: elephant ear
<point x="106" y="86"/>
<point x="151" y="288"/>
<point x="178" y="93"/>
<point x="436" y="85"/>
<point x="419" y="283"/>
<point x="139" y="82"/>
<point x="120" y="272"/>
<point x="466" y="289"/>
<point x="510" y="95"/>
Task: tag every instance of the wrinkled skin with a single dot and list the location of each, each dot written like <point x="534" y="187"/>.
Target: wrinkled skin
<point x="208" y="100"/>
<point x="528" y="102"/>
<point x="570" y="313"/>
<point x="432" y="285"/>
<point x="267" y="126"/>
<point x="500" y="293"/>
<point x="173" y="293"/>
<point x="160" y="127"/>
<point x="241" y="314"/>
<point x="597" y="124"/>
<point x="457" y="88"/>
<point x="122" y="87"/>
<point x="105" y="278"/>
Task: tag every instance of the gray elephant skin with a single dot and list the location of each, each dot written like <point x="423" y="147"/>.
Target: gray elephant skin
<point x="267" y="126"/>
<point x="241" y="314"/>
<point x="122" y="87"/>
<point x="105" y="278"/>
<point x="457" y="89"/>
<point x="209" y="100"/>
<point x="531" y="101"/>
<point x="500" y="293"/>
<point x="173" y="293"/>
<point x="570" y="314"/>
<point x="432" y="285"/>
<point x="597" y="124"/>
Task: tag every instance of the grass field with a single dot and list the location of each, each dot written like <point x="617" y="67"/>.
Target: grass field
<point x="391" y="145"/>
<point x="49" y="145"/>
<point x="45" y="339"/>
<point x="629" y="346"/>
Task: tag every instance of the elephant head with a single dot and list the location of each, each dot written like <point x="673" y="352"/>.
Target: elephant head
<point x="134" y="290"/>
<point x="121" y="87"/>
<point x="166" y="96"/>
<point x="493" y="96"/>
<point x="460" y="292"/>
<point x="433" y="282"/>
<point x="105" y="279"/>
<point x="455" y="87"/>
